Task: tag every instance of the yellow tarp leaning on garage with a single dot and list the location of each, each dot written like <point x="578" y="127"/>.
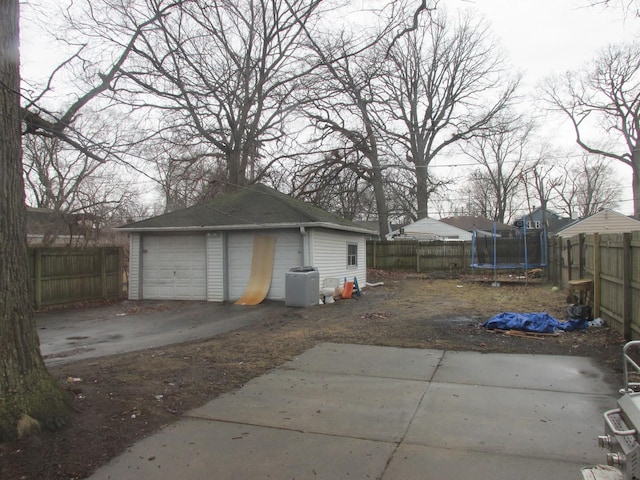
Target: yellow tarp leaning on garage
<point x="264" y="250"/>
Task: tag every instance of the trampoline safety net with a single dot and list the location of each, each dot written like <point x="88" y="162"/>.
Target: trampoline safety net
<point x="520" y="250"/>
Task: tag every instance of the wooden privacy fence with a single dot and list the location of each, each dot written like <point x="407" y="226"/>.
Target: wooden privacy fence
<point x="612" y="262"/>
<point x="436" y="256"/>
<point x="67" y="275"/>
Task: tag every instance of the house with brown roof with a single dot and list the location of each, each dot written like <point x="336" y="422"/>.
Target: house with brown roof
<point x="46" y="226"/>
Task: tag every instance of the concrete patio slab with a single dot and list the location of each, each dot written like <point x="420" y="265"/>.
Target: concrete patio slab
<point x="351" y="411"/>
<point x="428" y="463"/>
<point x="332" y="404"/>
<point x="537" y="372"/>
<point x="372" y="361"/>
<point x="201" y="449"/>
<point x="511" y="421"/>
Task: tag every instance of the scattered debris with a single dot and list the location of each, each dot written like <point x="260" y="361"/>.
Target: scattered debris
<point x="535" y="273"/>
<point x="381" y="315"/>
<point x="520" y="333"/>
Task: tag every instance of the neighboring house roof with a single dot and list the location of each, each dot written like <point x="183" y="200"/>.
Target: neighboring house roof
<point x="471" y="223"/>
<point x="374" y="226"/>
<point x="255" y="206"/>
<point x="605" y="221"/>
<point x="554" y="222"/>
<point x="46" y="220"/>
<point x="430" y="229"/>
<point x="46" y="223"/>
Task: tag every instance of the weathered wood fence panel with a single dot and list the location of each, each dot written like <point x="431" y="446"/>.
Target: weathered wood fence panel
<point x="419" y="257"/>
<point x="612" y="261"/>
<point x="67" y="275"/>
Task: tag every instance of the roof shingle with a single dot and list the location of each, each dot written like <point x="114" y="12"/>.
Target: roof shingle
<point x="253" y="206"/>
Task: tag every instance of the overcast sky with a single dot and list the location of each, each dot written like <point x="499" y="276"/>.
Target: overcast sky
<point x="546" y="36"/>
<point x="541" y="37"/>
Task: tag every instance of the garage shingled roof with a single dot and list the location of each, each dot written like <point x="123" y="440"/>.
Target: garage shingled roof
<point x="253" y="206"/>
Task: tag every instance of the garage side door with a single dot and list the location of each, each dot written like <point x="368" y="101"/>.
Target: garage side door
<point x="174" y="267"/>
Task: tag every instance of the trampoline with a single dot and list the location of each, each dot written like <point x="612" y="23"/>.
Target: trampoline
<point x="518" y="250"/>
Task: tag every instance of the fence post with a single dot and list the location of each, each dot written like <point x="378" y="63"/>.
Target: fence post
<point x="596" y="275"/>
<point x="581" y="255"/>
<point x="552" y="260"/>
<point x="557" y="258"/>
<point x="103" y="271"/>
<point x="626" y="281"/>
<point x="120" y="282"/>
<point x="375" y="260"/>
<point x="463" y="258"/>
<point x="569" y="261"/>
<point x="557" y="241"/>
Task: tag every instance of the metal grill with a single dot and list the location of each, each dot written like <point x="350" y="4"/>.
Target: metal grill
<point x="621" y="426"/>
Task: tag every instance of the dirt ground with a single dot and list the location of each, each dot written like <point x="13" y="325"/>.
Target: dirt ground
<point x="121" y="399"/>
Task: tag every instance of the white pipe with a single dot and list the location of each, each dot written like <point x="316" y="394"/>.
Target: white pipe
<point x="303" y="232"/>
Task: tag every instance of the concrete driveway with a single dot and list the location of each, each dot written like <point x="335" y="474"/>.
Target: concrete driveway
<point x="76" y="334"/>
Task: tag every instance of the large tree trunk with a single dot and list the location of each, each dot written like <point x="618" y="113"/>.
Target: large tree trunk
<point x="422" y="190"/>
<point x="377" y="182"/>
<point x="27" y="391"/>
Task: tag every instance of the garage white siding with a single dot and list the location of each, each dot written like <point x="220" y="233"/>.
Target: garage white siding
<point x="288" y="256"/>
<point x="134" y="266"/>
<point x="174" y="267"/>
<point x="215" y="267"/>
<point x="329" y="249"/>
<point x="240" y="253"/>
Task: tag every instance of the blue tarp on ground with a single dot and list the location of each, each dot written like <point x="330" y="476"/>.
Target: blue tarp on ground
<point x="532" y="322"/>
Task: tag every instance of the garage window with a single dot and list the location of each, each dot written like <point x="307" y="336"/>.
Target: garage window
<point x="352" y="255"/>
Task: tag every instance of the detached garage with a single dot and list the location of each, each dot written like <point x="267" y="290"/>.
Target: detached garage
<point x="206" y="252"/>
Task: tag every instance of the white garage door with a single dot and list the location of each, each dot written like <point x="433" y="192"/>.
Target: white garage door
<point x="174" y="267"/>
<point x="240" y="250"/>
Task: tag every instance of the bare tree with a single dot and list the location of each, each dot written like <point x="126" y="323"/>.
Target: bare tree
<point x="587" y="187"/>
<point x="186" y="175"/>
<point x="223" y="76"/>
<point x="602" y="102"/>
<point x="401" y="191"/>
<point x="346" y="103"/>
<point x="503" y="158"/>
<point x="628" y="7"/>
<point x="75" y="187"/>
<point x="344" y="114"/>
<point x="541" y="181"/>
<point x="481" y="200"/>
<point x="444" y="83"/>
<point x="97" y="78"/>
<point x="329" y="185"/>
